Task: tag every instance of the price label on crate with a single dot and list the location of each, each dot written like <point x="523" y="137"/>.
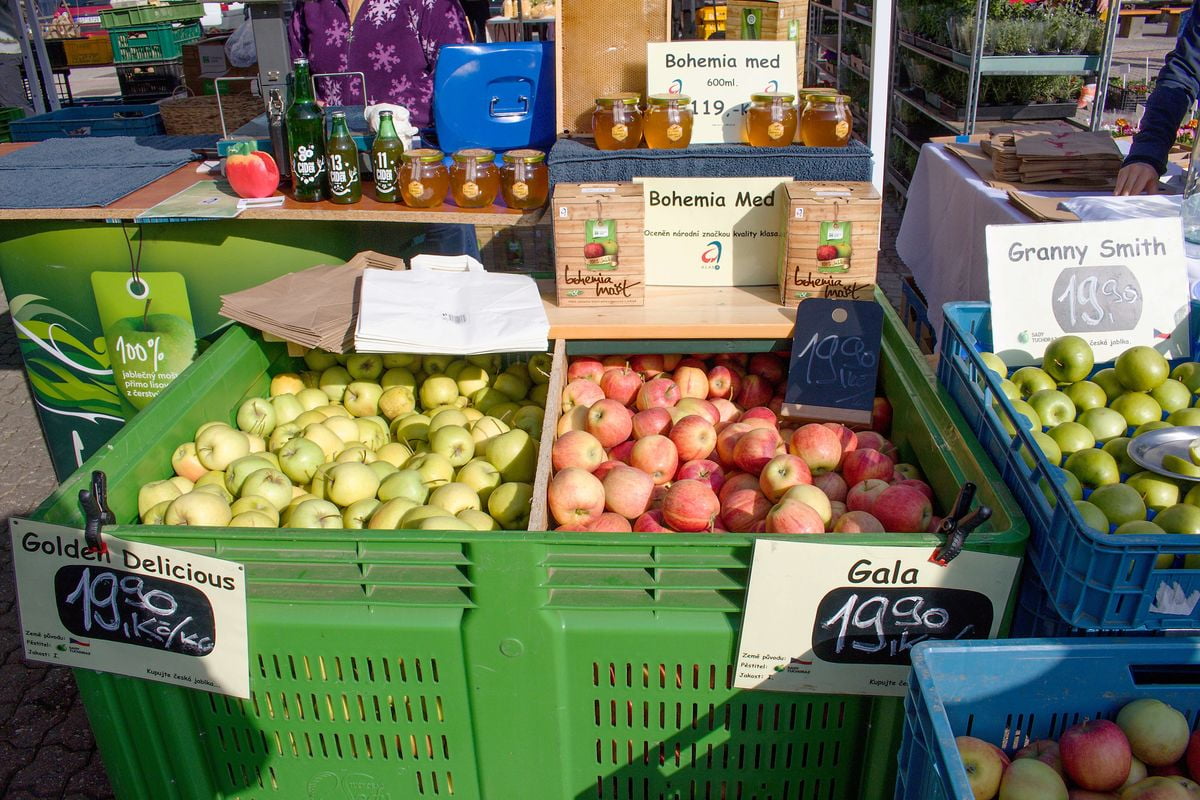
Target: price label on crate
<point x="834" y="619"/>
<point x="718" y="77"/>
<point x="835" y="360"/>
<point x="139" y="610"/>
<point x="1115" y="283"/>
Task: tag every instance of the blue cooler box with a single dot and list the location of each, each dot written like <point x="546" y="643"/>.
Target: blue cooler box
<point x="499" y="96"/>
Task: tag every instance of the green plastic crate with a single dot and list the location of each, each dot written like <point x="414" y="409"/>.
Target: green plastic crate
<point x="495" y="665"/>
<point x="7" y="115"/>
<point x="146" y="15"/>
<point x="159" y="41"/>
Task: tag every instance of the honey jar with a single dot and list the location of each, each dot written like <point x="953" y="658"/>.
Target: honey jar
<point x="770" y="120"/>
<point x="617" y="122"/>
<point x="423" y="179"/>
<point x="524" y="179"/>
<point x="825" y="121"/>
<point x="668" y="121"/>
<point x="474" y="178"/>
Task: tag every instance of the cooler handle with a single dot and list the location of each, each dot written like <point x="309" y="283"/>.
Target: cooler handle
<point x="522" y="99"/>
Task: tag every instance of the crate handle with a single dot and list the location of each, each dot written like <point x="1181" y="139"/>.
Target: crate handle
<point x="1165" y="674"/>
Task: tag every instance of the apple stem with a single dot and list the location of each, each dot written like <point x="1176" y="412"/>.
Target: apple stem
<point x="146" y="315"/>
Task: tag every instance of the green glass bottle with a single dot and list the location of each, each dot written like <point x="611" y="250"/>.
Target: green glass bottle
<point x="345" y="186"/>
<point x="385" y="159"/>
<point x="306" y="137"/>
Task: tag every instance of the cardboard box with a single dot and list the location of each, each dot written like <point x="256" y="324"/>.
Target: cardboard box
<point x="785" y="20"/>
<point x="599" y="244"/>
<point x="843" y="217"/>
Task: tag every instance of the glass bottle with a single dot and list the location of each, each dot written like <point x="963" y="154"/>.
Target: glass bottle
<point x="474" y="179"/>
<point x="617" y="122"/>
<point x="771" y="119"/>
<point x="524" y="179"/>
<point x="825" y="121"/>
<point x="424" y="180"/>
<point x="385" y="159"/>
<point x="306" y="138"/>
<point x="341" y="153"/>
<point x="668" y="123"/>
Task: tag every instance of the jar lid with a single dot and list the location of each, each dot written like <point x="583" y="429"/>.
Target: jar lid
<point x="667" y="99"/>
<point x="770" y="97"/>
<point x="819" y="91"/>
<point x="623" y="98"/>
<point x="822" y="97"/>
<point x="526" y="156"/>
<point x="426" y="155"/>
<point x="477" y="153"/>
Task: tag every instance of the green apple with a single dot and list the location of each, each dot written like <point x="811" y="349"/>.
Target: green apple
<point x="207" y="509"/>
<point x="443" y="523"/>
<point x="995" y="363"/>
<point x="417" y="513"/>
<point x="530" y="419"/>
<point x="447" y="417"/>
<point x="334" y="382"/>
<point x="350" y="482"/>
<point x="1093" y="467"/>
<point x="282" y="435"/>
<point x="1052" y="406"/>
<point x="311" y="399"/>
<point x="159" y="346"/>
<point x="540" y="365"/>
<point x="455" y="368"/>
<point x="489" y="361"/>
<point x="1172" y="395"/>
<point x="1118" y="448"/>
<point x="319" y="360"/>
<point x="454" y="442"/>
<point x="330" y="443"/>
<point x="362" y="398"/>
<point x="1119" y="502"/>
<point x="1179" y="518"/>
<point x="156" y="513"/>
<point x="271" y="485"/>
<point x="395" y="453"/>
<point x="1109" y="383"/>
<point x="389" y="514"/>
<point x="438" y="390"/>
<point x="1141" y="368"/>
<point x="539" y="393"/>
<point x="405" y="483"/>
<point x="319" y="485"/>
<point x="183" y="484"/>
<point x="218" y="446"/>
<point x="383" y="468"/>
<point x="1181" y="466"/>
<point x="214" y="488"/>
<point x="358" y="453"/>
<point x="1194" y="451"/>
<point x="485" y="399"/>
<point x="372" y="432"/>
<point x="521" y="370"/>
<point x="506" y="412"/>
<point x="1048" y="446"/>
<point x="436" y="364"/>
<point x="478" y="520"/>
<point x="1068" y="359"/>
<point x="259" y="504"/>
<point x="357" y="515"/>
<point x="411" y="428"/>
<point x="481" y="476"/>
<point x="1137" y="408"/>
<point x="1157" y="491"/>
<point x="1153" y="425"/>
<point x="153" y="493"/>
<point x="1072" y="437"/>
<point x="397" y="401"/>
<point x="1066" y="481"/>
<point x="1085" y="395"/>
<point x="365" y="366"/>
<point x="1010" y="389"/>
<point x="471" y="379"/>
<point x="1104" y="423"/>
<point x="511" y="386"/>
<point x="186" y="463"/>
<point x="299" y="459"/>
<point x="1093" y="517"/>
<point x="1185" y="417"/>
<point x="315" y="514"/>
<point x="1032" y="379"/>
<point x="455" y="497"/>
<point x="1025" y="414"/>
<point x="391" y="360"/>
<point x="1145" y="526"/>
<point x="509" y="505"/>
<point x="399" y="377"/>
<point x="1188" y="373"/>
<point x="240" y="469"/>
<point x="485" y="428"/>
<point x="515" y="454"/>
<point x="435" y="469"/>
<point x="1193" y="496"/>
<point x="256" y="415"/>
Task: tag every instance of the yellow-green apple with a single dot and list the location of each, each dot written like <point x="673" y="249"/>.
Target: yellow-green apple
<point x="285" y="383"/>
<point x="389" y="513"/>
<point x="983" y="765"/>
<point x="657" y="457"/>
<point x="514" y="453"/>
<point x="904" y="471"/>
<point x="240" y="469"/>
<point x="324" y="438"/>
<point x="333" y="410"/>
<point x="1119" y="504"/>
<point x="1172" y="395"/>
<point x="454" y="497"/>
<point x="621" y="384"/>
<point x="1048" y="447"/>
<point x="1025" y="416"/>
<point x="1044" y="750"/>
<point x="648" y="364"/>
<point x="399" y="376"/>
<point x="198" y="508"/>
<point x="587" y="368"/>
<point x="863" y="464"/>
<point x="509" y="505"/>
<point x="812" y="497"/>
<point x="434" y="468"/>
<point x="743" y="509"/>
<point x="577" y="449"/>
<point x="395" y="453"/>
<point x="481" y="476"/>
<point x="701" y="408"/>
<point x="609" y="422"/>
<point x="403" y="483"/>
<point x="1137" y="772"/>
<point x="186" y="463"/>
<point x="1030" y="779"/>
<point x="484" y="428"/>
<point x="691" y="506"/>
<point x="372" y="432"/>
<point x="319" y="359"/>
<point x="315" y="514"/>
<point x="153" y="493"/>
<point x="1152" y="425"/>
<point x="580" y="392"/>
<point x="1068" y="359"/>
<point x="349" y="482"/>
<point x="575" y="497"/>
<point x="306" y="418"/>
<point x="720" y="382"/>
<point x="755" y="448"/>
<point x="311" y="399"/>
<point x="213" y="481"/>
<point x="651" y="522"/>
<point x="902" y="509"/>
<point x="1185" y="417"/>
<point x="334" y="382"/>
<point x="438" y="390"/>
<point x="361" y="398"/>
<point x="471" y="379"/>
<point x="486" y="399"/>
<point x="819" y="446"/>
<point x="540" y="365"/>
<point x="252" y="519"/>
<point x="472" y="414"/>
<point x="1093" y="467"/>
<point x="657" y="393"/>
<point x="529" y="418"/>
<point x="862" y="496"/>
<point x="1072" y="437"/>
<point x="793" y="516"/>
<point x="1158" y="492"/>
<point x="411" y="519"/>
<point x="691" y="382"/>
<point x="1118" y="448"/>
<point x="627" y="491"/>
<point x="539" y="393"/>
<point x="1052" y="407"/>
<point x="1031" y="379"/>
<point x="728" y="411"/>
<point x="283" y="434"/>
<point x="1188" y="373"/>
<point x="342" y="427"/>
<point x="478" y="520"/>
<point x="357" y="515"/>
<point x="454" y="442"/>
<point x="1137" y="408"/>
<point x="1095" y="755"/>
<point x="183" y="484"/>
<point x="857" y="522"/>
<point x="436" y="364"/>
<point x="1158" y="734"/>
<point x="218" y="446"/>
<point x="694" y="437"/>
<point x="1104" y="424"/>
<point x="285" y="515"/>
<point x="780" y="474"/>
<point x="256" y="415"/>
<point x="410" y="428"/>
<point x="702" y="469"/>
<point x="651" y="422"/>
<point x="1085" y="395"/>
<point x="1179" y="518"/>
<point x="259" y="504"/>
<point x="212" y="423"/>
<point x="271" y="485"/>
<point x="1156" y="787"/>
<point x="1141" y="368"/>
<point x="832" y="484"/>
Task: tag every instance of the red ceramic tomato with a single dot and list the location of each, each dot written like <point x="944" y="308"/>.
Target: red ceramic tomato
<point x="251" y="172"/>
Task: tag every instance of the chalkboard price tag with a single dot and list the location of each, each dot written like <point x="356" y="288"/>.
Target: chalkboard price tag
<point x="835" y="360"/>
<point x="843" y="620"/>
<point x="137" y="609"/>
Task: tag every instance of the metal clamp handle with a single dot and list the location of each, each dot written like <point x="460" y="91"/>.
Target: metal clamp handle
<point x="522" y="99"/>
<point x="220" y="110"/>
<point x="362" y="79"/>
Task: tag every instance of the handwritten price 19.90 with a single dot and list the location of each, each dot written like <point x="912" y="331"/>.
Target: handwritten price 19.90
<point x="873" y="614"/>
<point x="842" y="362"/>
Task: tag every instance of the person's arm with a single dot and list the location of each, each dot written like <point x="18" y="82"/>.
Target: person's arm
<point x="443" y="22"/>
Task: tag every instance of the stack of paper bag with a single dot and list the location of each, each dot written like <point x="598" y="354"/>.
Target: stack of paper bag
<point x="1046" y="156"/>
<point x="315" y="307"/>
<point x="457" y="313"/>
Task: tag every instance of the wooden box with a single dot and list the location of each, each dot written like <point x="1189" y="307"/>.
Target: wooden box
<point x="614" y="274"/>
<point x="526" y="249"/>
<point x="816" y="218"/>
<point x="783" y="21"/>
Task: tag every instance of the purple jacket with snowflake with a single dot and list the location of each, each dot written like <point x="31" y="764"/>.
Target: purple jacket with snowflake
<point x="394" y="43"/>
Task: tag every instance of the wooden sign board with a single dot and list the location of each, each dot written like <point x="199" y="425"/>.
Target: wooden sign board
<point x="139" y="610"/>
<point x="827" y="618"/>
<point x="835" y="361"/>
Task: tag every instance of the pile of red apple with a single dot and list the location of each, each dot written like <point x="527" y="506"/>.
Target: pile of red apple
<point x="695" y="444"/>
<point x="1147" y="753"/>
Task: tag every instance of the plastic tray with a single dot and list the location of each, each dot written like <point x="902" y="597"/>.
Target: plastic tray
<point x="1095" y="580"/>
<point x="108" y="120"/>
<point x="146" y="15"/>
<point x="498" y="665"/>
<point x="160" y="41"/>
<point x="1009" y="693"/>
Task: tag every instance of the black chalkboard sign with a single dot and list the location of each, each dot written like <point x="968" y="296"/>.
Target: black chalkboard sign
<point x="1097" y="299"/>
<point x="880" y="625"/>
<point x="835" y="360"/>
<point x="99" y="602"/>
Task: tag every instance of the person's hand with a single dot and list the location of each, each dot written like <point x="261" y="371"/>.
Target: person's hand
<point x="1136" y="179"/>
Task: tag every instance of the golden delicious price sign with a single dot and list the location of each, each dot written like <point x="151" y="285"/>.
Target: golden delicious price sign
<point x="834" y="619"/>
<point x="137" y="609"/>
<point x="1116" y="284"/>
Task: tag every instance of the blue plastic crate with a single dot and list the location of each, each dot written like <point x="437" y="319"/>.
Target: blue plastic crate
<point x="1035" y="616"/>
<point x="1012" y="692"/>
<point x="124" y="120"/>
<point x="1095" y="580"/>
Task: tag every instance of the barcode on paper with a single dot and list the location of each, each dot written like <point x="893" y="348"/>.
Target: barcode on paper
<point x="457" y="319"/>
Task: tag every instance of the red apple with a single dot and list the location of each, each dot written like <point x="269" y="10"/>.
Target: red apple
<point x="1192" y="755"/>
<point x="776" y="405"/>
<point x="860" y="465"/>
<point x="577" y="449"/>
<point x="741" y="510"/>
<point x="1165" y="770"/>
<point x="792" y="516"/>
<point x="701" y="408"/>
<point x="768" y="366"/>
<point x="657" y="457"/>
<point x="627" y="491"/>
<point x="903" y="509"/>
<point x="836" y="510"/>
<point x="1095" y="754"/>
<point x="651" y="522"/>
<point x="760" y="412"/>
<point x="857" y="522"/>
<point x="581" y="392"/>
<point x="585" y="368"/>
<point x="614" y="362"/>
<point x="729" y="359"/>
<point x="657" y="497"/>
<point x="820" y="447"/>
<point x="657" y="393"/>
<point x="692" y="382"/>
<point x="647" y="364"/>
<point x="575" y="497"/>
<point x="596" y="250"/>
<point x="621" y="452"/>
<point x="755" y="391"/>
<point x="621" y="384"/>
<point x="694" y="437"/>
<point x="847" y="437"/>
<point x="610" y="422"/>
<point x="735" y="481"/>
<point x="727" y="441"/>
<point x="984" y="768"/>
<point x="921" y="486"/>
<point x="728" y="411"/>
<point x="609" y="522"/>
<point x="1084" y="794"/>
<point x="720" y="382"/>
<point x="651" y="422"/>
<point x="870" y="440"/>
<point x="782" y="473"/>
<point x="935" y="524"/>
<point x="607" y="467"/>
<point x="862" y="496"/>
<point x="828" y="252"/>
<point x="690" y="361"/>
<point x="881" y="415"/>
<point x="833" y="485"/>
<point x="755" y="448"/>
<point x="1044" y="750"/>
<point x="691" y="505"/>
<point x="703" y="470"/>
